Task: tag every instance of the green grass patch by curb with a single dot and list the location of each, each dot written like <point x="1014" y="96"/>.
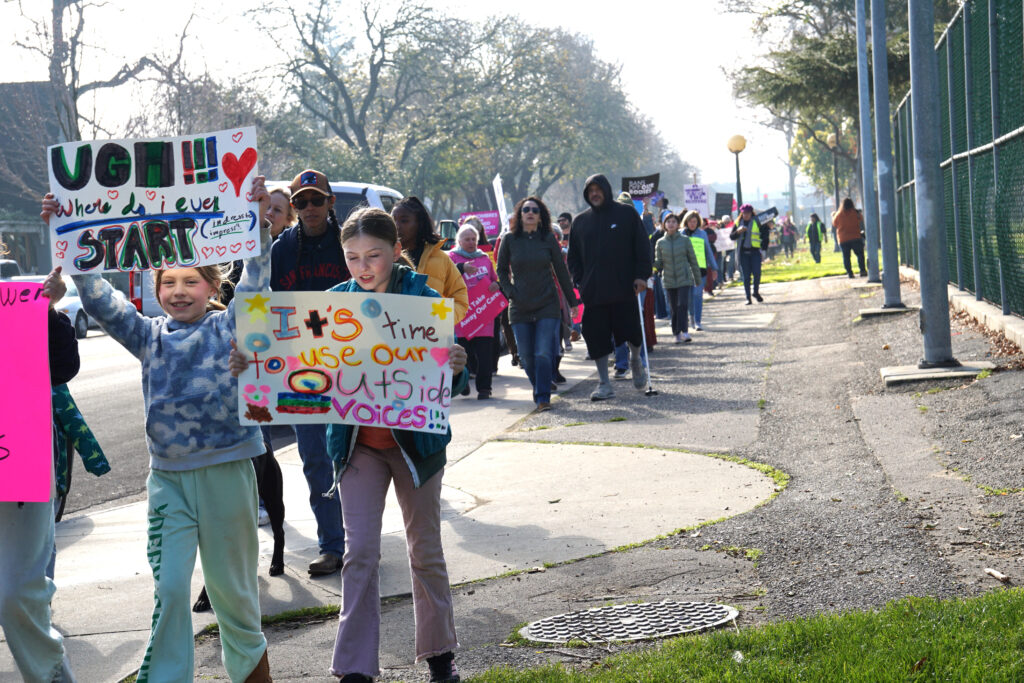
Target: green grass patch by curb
<point x="803" y="267"/>
<point x="915" y="639"/>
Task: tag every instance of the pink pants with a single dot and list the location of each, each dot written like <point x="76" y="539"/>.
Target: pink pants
<point x="363" y="488"/>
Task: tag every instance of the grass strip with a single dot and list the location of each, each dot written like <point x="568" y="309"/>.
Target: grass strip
<point x="914" y="639"/>
<point x="802" y="266"/>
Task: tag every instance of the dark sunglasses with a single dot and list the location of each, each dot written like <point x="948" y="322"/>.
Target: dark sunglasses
<point x="317" y="200"/>
<point x="530" y="209"/>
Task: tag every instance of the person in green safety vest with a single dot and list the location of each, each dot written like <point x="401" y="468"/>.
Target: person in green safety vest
<point x="751" y="237"/>
<point x="705" y="259"/>
<point x="816" y="236"/>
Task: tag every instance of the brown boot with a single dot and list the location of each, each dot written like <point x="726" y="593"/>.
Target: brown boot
<point x="261" y="674"/>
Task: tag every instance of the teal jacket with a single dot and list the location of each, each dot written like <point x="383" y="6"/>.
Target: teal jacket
<point x="676" y="260"/>
<point x="424" y="453"/>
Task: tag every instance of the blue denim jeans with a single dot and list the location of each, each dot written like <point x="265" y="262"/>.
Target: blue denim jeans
<point x="697" y="301"/>
<point x="316" y="466"/>
<point x="750" y="265"/>
<point x="537" y="342"/>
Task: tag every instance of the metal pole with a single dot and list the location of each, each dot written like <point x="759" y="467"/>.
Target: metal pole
<point x="993" y="65"/>
<point x="835" y="186"/>
<point x="952" y="165"/>
<point x="931" y="233"/>
<point x="739" y="190"/>
<point x="867" y="147"/>
<point x="883" y="144"/>
<point x="968" y="89"/>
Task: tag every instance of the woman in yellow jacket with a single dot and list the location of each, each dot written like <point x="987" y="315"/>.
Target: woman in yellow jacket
<point x="423" y="247"/>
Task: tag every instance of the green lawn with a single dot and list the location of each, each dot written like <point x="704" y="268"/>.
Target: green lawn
<point x="916" y="639"/>
<point x="802" y="266"/>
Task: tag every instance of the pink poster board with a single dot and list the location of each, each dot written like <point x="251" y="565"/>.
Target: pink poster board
<point x="484" y="307"/>
<point x="26" y="444"/>
<point x="490" y="219"/>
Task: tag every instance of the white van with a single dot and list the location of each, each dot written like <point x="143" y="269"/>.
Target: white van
<point x="347" y="198"/>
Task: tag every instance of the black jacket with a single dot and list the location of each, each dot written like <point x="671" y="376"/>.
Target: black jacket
<point x="608" y="249"/>
<point x="321" y="266"/>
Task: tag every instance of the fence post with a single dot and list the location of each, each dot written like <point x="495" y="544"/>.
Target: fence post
<point x="968" y="89"/>
<point x="952" y="164"/>
<point x="883" y="147"/>
<point x="993" y="65"/>
<point x="924" y="76"/>
<point x="867" y="148"/>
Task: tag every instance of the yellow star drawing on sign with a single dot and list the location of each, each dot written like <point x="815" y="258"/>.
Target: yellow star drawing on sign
<point x="257" y="307"/>
<point x="440" y="309"/>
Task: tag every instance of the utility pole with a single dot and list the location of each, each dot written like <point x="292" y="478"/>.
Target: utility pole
<point x="928" y="200"/>
<point x="867" y="152"/>
<point x="883" y="144"/>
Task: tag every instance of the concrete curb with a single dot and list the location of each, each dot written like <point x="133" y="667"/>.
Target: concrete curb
<point x="987" y="314"/>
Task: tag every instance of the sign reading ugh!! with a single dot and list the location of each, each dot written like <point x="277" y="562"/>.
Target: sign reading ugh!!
<point x="160" y="203"/>
<point x="377" y="360"/>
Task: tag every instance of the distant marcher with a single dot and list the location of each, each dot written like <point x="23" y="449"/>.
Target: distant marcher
<point x="281" y="213"/>
<point x="676" y="261"/>
<point x="476" y="266"/>
<point x="816" y="235"/>
<point x="610" y="261"/>
<point x="527" y="256"/>
<point x="482" y="243"/>
<point x="847" y="222"/>
<point x="751" y="238"/>
<point x="788" y="237"/>
<point x="705" y="257"/>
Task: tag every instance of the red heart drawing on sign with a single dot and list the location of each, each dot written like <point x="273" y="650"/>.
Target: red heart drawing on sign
<point x="440" y="355"/>
<point x="221" y="250"/>
<point x="112" y="194"/>
<point x="235" y="248"/>
<point x="150" y="195"/>
<point x="222" y="187"/>
<point x="59" y="254"/>
<point x="62" y="245"/>
<point x="236" y="168"/>
<point x="248" y="196"/>
<point x="237" y="136"/>
<point x="251" y="245"/>
<point x="207" y="252"/>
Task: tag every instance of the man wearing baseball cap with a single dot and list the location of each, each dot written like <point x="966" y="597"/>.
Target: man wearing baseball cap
<point x="307" y="258"/>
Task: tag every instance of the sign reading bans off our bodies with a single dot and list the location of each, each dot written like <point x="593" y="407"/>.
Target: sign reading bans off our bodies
<point x="168" y="202"/>
<point x="367" y="359"/>
<point x="26" y="439"/>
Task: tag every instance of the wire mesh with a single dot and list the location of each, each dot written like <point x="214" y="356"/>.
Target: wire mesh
<point x="984" y="192"/>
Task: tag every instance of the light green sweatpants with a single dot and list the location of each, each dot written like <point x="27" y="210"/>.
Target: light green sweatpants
<point x="213" y="509"/>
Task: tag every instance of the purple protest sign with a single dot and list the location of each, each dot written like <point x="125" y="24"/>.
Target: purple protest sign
<point x="484" y="307"/>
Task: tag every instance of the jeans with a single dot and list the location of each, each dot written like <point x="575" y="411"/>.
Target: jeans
<point x="750" y="265"/>
<point x="679" y="299"/>
<point x="815" y="251"/>
<point x="857" y="247"/>
<point x="661" y="308"/>
<point x="316" y="466"/>
<point x="537" y="341"/>
<point x="697" y="301"/>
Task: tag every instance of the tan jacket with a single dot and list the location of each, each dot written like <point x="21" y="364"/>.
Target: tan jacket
<point x="847" y="225"/>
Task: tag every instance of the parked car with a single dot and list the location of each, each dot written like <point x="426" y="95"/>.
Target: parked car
<point x="9" y="269"/>
<point x="70" y="304"/>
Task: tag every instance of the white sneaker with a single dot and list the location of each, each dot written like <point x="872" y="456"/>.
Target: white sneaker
<point x="264" y="518"/>
<point x="604" y="392"/>
<point x="679" y="338"/>
<point x="686" y="337"/>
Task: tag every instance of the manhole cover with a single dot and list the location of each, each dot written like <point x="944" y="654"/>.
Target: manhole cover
<point x="629" y="622"/>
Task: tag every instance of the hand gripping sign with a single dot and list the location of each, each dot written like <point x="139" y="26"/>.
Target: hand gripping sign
<point x="378" y="360"/>
<point x="167" y="202"/>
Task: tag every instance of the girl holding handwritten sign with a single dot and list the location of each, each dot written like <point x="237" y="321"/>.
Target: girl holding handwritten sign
<point x="202" y="487"/>
<point x="26" y="529"/>
<point x="366" y="461"/>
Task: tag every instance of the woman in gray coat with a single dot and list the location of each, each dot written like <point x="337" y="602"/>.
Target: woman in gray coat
<point x="675" y="259"/>
<point x="529" y="263"/>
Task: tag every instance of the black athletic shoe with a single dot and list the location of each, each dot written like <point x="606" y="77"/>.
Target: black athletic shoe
<point x="442" y="669"/>
<point x="758" y="297"/>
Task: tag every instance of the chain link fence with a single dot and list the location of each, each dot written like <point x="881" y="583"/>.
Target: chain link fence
<point x="981" y="90"/>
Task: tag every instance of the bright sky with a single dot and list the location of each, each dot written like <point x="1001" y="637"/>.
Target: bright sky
<point x="672" y="58"/>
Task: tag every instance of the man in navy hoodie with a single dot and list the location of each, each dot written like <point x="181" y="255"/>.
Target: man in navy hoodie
<point x="610" y="260"/>
<point x="308" y="258"/>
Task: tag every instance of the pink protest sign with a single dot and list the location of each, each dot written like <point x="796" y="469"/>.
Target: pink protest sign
<point x="484" y="307"/>
<point x="25" y="436"/>
<point x="490" y="219"/>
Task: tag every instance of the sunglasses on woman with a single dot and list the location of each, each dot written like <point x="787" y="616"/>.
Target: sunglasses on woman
<point x="317" y="200"/>
<point x="530" y="209"/>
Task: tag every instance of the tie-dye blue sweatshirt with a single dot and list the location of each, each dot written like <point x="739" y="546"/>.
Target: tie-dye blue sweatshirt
<point x="190" y="397"/>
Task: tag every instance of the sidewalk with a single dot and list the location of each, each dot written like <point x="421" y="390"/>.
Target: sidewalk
<point x="507" y="505"/>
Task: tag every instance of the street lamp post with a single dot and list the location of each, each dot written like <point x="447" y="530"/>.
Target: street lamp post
<point x="736" y="144"/>
<point x="833" y="143"/>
